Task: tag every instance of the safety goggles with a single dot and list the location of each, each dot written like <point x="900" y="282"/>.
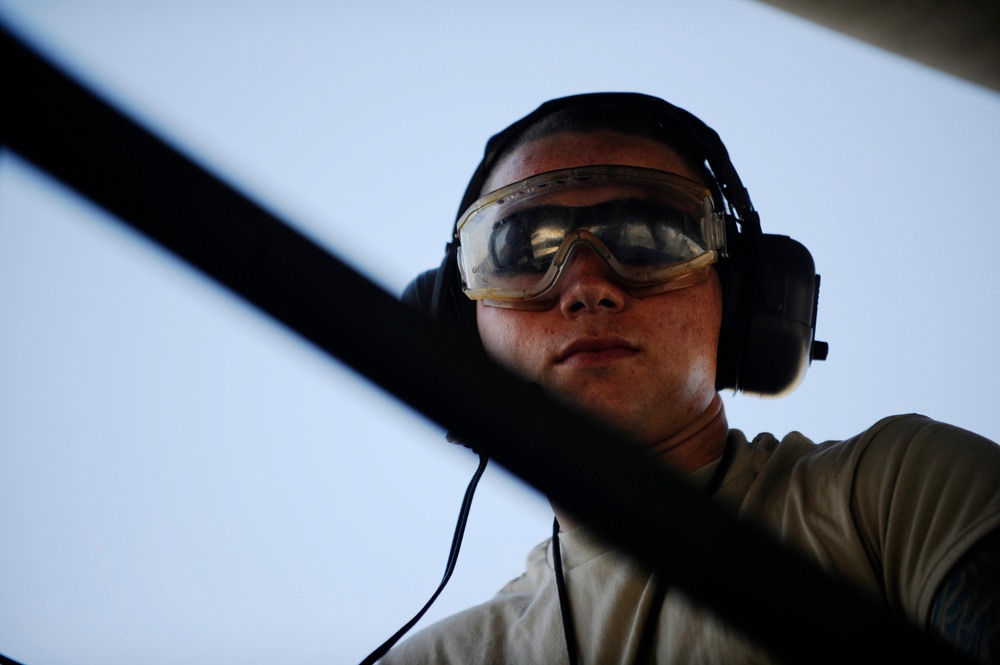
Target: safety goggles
<point x="656" y="231"/>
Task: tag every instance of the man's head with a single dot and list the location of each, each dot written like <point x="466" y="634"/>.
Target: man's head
<point x="768" y="284"/>
<point x="644" y="363"/>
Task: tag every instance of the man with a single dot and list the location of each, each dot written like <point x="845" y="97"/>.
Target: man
<point x="593" y="244"/>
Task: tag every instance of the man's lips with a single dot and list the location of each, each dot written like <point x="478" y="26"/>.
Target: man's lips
<point x="596" y="349"/>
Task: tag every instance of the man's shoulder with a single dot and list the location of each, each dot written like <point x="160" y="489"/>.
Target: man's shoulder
<point x="909" y="493"/>
<point x="910" y="435"/>
<point x="908" y="449"/>
<point x="471" y="633"/>
<point x="479" y="633"/>
<point x="908" y="427"/>
<point x="914" y="441"/>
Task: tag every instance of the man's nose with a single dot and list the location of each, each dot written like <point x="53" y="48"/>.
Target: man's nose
<point x="589" y="286"/>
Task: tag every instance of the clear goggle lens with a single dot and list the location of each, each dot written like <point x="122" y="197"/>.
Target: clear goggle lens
<point x="655" y="230"/>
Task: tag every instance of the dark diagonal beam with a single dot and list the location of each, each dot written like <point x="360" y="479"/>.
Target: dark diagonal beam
<point x="785" y="603"/>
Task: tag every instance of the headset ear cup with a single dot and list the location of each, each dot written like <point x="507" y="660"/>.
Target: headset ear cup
<point x="418" y="293"/>
<point x="778" y="346"/>
<point x="438" y="295"/>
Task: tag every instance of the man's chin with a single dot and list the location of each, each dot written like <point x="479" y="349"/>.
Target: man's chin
<point x="618" y="415"/>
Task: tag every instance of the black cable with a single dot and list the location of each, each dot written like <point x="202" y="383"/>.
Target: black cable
<point x="568" y="629"/>
<point x="644" y="650"/>
<point x="456" y="545"/>
<point x="647" y="639"/>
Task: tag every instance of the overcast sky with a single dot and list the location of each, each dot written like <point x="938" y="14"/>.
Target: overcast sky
<point x="181" y="480"/>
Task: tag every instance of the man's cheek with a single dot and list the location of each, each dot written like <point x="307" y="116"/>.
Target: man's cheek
<point x="520" y="364"/>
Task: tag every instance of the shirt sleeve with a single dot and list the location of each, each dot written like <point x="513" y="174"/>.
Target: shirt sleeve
<point x="923" y="493"/>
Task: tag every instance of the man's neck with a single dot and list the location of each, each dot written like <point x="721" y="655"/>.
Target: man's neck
<point x="699" y="444"/>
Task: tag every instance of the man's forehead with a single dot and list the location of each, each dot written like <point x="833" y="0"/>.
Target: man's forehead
<point x="570" y="149"/>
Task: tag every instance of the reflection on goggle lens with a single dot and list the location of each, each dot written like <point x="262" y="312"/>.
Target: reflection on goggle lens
<point x="637" y="233"/>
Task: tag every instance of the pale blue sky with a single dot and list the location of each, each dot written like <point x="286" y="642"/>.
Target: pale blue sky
<point x="184" y="481"/>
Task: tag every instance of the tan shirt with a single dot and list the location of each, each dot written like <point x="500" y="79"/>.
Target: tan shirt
<point x="892" y="510"/>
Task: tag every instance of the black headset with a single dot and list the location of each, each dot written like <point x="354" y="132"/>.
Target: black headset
<point x="770" y="287"/>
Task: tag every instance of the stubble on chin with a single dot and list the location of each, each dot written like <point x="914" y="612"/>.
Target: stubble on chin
<point x="601" y="403"/>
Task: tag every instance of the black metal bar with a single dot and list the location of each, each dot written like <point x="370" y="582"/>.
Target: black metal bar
<point x="785" y="602"/>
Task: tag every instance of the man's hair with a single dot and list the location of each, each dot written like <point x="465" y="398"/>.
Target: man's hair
<point x="627" y="113"/>
<point x="615" y="118"/>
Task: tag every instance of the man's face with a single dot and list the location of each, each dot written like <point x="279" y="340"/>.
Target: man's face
<point x="646" y="365"/>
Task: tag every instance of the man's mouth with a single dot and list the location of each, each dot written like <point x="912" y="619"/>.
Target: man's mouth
<point x="595" y="350"/>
